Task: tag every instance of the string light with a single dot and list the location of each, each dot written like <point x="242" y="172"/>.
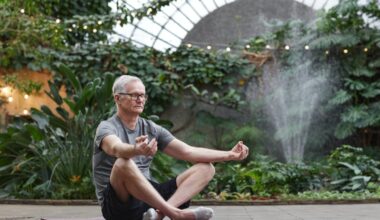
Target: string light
<point x="327" y="52"/>
<point x="25" y="112"/>
<point x="100" y="22"/>
<point x="268" y="46"/>
<point x="189" y="45"/>
<point x="58" y="21"/>
<point x="365" y="50"/>
<point x="26" y="96"/>
<point x="228" y="49"/>
<point x="74" y="25"/>
<point x="85" y="27"/>
<point x="307" y="47"/>
<point x="247" y="46"/>
<point x="22" y="11"/>
<point x="6" y="91"/>
<point x="209" y="47"/>
<point x="149" y="11"/>
<point x="70" y="30"/>
<point x="10" y="99"/>
<point x="287" y="47"/>
<point x="94" y="30"/>
<point x="345" y="51"/>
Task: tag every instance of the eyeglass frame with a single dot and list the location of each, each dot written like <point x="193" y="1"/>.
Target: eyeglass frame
<point x="134" y="96"/>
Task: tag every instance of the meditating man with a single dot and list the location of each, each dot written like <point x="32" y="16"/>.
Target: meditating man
<point x="125" y="145"/>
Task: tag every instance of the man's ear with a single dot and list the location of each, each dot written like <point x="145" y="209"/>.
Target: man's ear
<point x="117" y="98"/>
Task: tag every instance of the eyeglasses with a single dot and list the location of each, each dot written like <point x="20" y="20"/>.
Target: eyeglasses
<point x="134" y="96"/>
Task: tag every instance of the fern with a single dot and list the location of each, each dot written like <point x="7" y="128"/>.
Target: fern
<point x="329" y="40"/>
<point x="341" y="97"/>
<point x="375" y="63"/>
<point x="355" y="85"/>
<point x="355" y="113"/>
<point x="344" y="129"/>
<point x="371" y="91"/>
<point x="362" y="71"/>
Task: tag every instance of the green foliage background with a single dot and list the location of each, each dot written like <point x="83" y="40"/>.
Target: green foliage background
<point x="48" y="155"/>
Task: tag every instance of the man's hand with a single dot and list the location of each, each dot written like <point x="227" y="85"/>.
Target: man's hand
<point x="144" y="147"/>
<point x="239" y="151"/>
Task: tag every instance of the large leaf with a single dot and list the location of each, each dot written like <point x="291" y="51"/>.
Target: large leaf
<point x="352" y="167"/>
<point x="341" y="97"/>
<point x="68" y="73"/>
<point x="354" y="113"/>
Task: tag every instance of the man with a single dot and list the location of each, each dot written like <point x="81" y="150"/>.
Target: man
<point x="124" y="147"/>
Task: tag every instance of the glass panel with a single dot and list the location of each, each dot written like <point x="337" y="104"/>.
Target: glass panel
<point x="190" y="13"/>
<point x="148" y="25"/>
<point x="319" y="4"/>
<point x="143" y="37"/>
<point x="169" y="37"/>
<point x="185" y="23"/>
<point x="172" y="26"/>
<point x="331" y="3"/>
<point x="160" y="18"/>
<point x="160" y="45"/>
<point x="199" y="6"/>
<point x="126" y="30"/>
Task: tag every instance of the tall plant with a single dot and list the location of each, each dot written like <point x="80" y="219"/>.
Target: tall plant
<point x="55" y="147"/>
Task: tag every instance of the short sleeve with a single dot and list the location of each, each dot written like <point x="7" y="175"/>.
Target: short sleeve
<point x="104" y="129"/>
<point x="164" y="137"/>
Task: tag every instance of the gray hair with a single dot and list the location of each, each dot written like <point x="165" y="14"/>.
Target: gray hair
<point x="121" y="81"/>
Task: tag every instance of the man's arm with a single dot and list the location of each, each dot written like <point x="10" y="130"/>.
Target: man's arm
<point x="183" y="151"/>
<point x="113" y="146"/>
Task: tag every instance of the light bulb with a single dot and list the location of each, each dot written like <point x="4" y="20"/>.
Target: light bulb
<point x="345" y="51"/>
<point x="25" y="112"/>
<point x="228" y="49"/>
<point x="209" y="47"/>
<point x="94" y="30"/>
<point x="247" y="46"/>
<point x="57" y="21"/>
<point x="366" y="49"/>
<point x="189" y="45"/>
<point x="10" y="99"/>
<point x="26" y="96"/>
<point x="100" y="22"/>
<point x="307" y="47"/>
<point x="267" y="46"/>
<point x="85" y="27"/>
<point x="287" y="47"/>
<point x="22" y="11"/>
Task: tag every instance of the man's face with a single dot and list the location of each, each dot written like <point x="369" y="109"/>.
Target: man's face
<point x="133" y="100"/>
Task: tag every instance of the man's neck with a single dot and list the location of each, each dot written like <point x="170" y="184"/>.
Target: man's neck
<point x="130" y="121"/>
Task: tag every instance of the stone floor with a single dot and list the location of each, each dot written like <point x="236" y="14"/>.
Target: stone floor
<point x="256" y="212"/>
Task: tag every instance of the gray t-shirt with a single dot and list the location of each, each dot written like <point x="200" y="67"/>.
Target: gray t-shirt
<point x="102" y="163"/>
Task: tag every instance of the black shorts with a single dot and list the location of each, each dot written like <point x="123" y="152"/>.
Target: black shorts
<point x="133" y="209"/>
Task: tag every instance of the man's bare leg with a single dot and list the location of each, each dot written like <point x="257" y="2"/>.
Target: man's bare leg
<point x="190" y="183"/>
<point x="138" y="186"/>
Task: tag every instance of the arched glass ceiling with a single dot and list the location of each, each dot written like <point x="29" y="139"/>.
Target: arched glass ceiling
<point x="168" y="27"/>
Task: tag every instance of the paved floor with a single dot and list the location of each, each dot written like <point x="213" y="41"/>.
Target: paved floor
<point x="275" y="212"/>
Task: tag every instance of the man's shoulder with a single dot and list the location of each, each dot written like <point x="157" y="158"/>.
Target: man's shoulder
<point x="111" y="121"/>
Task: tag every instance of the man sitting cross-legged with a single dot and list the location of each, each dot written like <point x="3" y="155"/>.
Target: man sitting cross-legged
<point x="124" y="147"/>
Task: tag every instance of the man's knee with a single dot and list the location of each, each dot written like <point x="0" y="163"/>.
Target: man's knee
<point x="208" y="169"/>
<point x="124" y="167"/>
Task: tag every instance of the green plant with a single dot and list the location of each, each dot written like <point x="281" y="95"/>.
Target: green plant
<point x="54" y="148"/>
<point x="351" y="170"/>
<point x="24" y="86"/>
